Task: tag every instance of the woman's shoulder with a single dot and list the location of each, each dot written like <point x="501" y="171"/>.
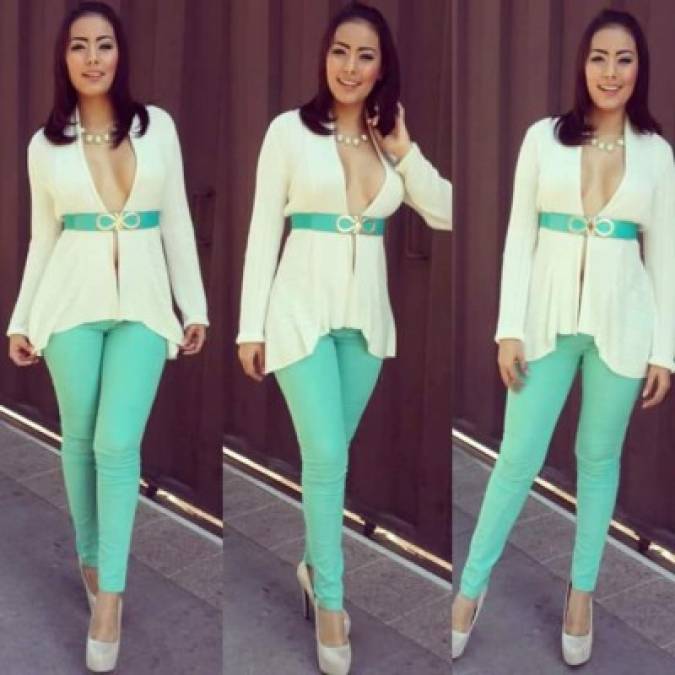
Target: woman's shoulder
<point x="287" y="121"/>
<point x="39" y="143"/>
<point x="284" y="130"/>
<point x="159" y="117"/>
<point x="538" y="135"/>
<point x="543" y="128"/>
<point x="162" y="130"/>
<point x="658" y="147"/>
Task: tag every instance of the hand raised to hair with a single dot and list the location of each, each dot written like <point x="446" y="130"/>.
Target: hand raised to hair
<point x="397" y="142"/>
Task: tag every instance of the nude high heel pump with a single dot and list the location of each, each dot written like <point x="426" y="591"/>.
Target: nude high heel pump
<point x="332" y="660"/>
<point x="307" y="591"/>
<point x="576" y="649"/>
<point x="460" y="640"/>
<point x="102" y="656"/>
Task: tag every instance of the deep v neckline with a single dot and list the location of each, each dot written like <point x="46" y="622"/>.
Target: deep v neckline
<point x="90" y="177"/>
<point x="343" y="173"/>
<point x="619" y="188"/>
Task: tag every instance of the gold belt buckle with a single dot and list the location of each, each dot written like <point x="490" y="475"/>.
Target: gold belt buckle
<point x="604" y="227"/>
<point x="368" y="225"/>
<point x="355" y="224"/>
<point x="352" y="227"/>
<point x="600" y="227"/>
<point x="579" y="225"/>
<point x="119" y="220"/>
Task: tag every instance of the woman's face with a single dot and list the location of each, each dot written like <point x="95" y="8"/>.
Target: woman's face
<point x="611" y="68"/>
<point x="353" y="62"/>
<point x="92" y="55"/>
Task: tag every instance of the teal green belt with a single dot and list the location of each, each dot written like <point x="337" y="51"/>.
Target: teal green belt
<point x="106" y="222"/>
<point x="335" y="222"/>
<point x="598" y="226"/>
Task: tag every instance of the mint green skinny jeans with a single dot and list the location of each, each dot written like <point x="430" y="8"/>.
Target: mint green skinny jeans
<point x="105" y="375"/>
<point x="531" y="417"/>
<point x="326" y="393"/>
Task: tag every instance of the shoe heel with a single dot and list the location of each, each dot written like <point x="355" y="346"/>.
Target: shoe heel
<point x="91" y="597"/>
<point x="307" y="591"/>
<point x="306" y="605"/>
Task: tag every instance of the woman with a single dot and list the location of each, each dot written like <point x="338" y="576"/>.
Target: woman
<point x="108" y="198"/>
<point x="321" y="321"/>
<point x="576" y="296"/>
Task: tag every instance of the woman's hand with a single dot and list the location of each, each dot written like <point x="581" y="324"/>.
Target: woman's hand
<point x="397" y="142"/>
<point x="21" y="351"/>
<point x="656" y="387"/>
<point x="252" y="357"/>
<point x="193" y="339"/>
<point x="512" y="364"/>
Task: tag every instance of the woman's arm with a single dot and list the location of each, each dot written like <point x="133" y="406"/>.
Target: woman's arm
<point x="659" y="252"/>
<point x="178" y="237"/>
<point x="265" y="232"/>
<point x="45" y="230"/>
<point x="426" y="190"/>
<point x="521" y="238"/>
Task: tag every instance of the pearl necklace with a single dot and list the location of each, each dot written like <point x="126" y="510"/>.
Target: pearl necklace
<point x="351" y="140"/>
<point x="97" y="139"/>
<point x="608" y="146"/>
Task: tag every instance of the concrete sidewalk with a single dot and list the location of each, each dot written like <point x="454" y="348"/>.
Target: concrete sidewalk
<point x="518" y="632"/>
<point x="173" y="598"/>
<point x="400" y="615"/>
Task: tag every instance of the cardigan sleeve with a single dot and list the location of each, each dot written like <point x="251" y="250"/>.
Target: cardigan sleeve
<point x="45" y="230"/>
<point x="425" y="190"/>
<point x="265" y="233"/>
<point x="178" y="238"/>
<point x="659" y="254"/>
<point x="521" y="239"/>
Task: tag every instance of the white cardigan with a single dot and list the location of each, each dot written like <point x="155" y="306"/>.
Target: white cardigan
<point x="628" y="308"/>
<point x="70" y="278"/>
<point x="314" y="288"/>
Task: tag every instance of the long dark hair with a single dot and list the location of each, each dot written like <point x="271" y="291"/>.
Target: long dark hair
<point x="573" y="128"/>
<point x="65" y="96"/>
<point x="383" y="99"/>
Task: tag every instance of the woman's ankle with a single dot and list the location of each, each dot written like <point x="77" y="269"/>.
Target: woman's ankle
<point x="467" y="599"/>
<point x="108" y="598"/>
<point x="332" y="627"/>
<point x="91" y="577"/>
